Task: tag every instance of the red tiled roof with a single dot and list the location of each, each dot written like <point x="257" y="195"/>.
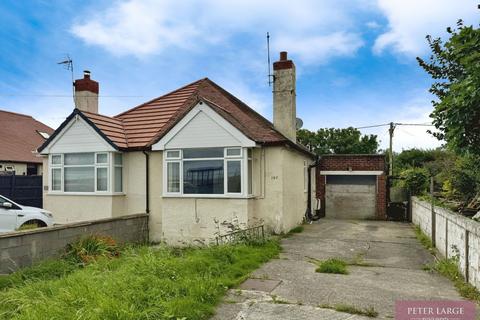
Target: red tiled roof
<point x="111" y="127"/>
<point x="148" y="120"/>
<point x="142" y="126"/>
<point x="19" y="137"/>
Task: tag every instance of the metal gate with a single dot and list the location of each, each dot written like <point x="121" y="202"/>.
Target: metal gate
<point x="25" y="190"/>
<point x="398" y="201"/>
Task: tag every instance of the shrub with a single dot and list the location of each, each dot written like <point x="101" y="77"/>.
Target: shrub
<point x="91" y="248"/>
<point x="415" y="180"/>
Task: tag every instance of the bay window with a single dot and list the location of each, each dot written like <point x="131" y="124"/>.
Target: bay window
<point x="86" y="172"/>
<point x="206" y="171"/>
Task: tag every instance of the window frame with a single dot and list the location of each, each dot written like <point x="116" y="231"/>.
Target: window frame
<point x="242" y="158"/>
<point x="109" y="165"/>
<point x="112" y="176"/>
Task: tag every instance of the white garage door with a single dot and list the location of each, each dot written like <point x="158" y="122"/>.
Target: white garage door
<point x="350" y="196"/>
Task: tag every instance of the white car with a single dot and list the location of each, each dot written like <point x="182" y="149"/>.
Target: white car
<point x="13" y="216"/>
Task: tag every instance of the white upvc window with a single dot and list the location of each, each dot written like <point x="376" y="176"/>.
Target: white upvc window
<point x="86" y="172"/>
<point x="206" y="172"/>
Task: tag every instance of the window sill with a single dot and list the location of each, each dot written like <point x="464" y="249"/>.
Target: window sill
<point x="204" y="196"/>
<point x="85" y="194"/>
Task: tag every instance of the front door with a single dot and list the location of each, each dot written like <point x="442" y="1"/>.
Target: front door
<point x="8" y="217"/>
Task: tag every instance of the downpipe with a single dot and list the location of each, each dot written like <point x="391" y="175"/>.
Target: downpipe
<point x="309" y="217"/>
<point x="147" y="183"/>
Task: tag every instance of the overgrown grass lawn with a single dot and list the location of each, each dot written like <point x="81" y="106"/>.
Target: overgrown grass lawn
<point x="143" y="283"/>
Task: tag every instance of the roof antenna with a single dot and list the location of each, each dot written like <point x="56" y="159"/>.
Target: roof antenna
<point x="68" y="64"/>
<point x="271" y="77"/>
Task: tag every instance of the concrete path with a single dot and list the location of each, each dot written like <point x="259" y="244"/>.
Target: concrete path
<point x="390" y="268"/>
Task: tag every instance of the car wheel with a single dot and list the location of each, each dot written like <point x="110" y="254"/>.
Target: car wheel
<point x="32" y="224"/>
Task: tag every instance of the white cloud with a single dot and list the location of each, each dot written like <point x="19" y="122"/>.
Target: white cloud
<point x="409" y="21"/>
<point x="146" y="27"/>
<point x="320" y="49"/>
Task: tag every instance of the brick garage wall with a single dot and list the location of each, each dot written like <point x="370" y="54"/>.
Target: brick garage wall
<point x="455" y="235"/>
<point x="355" y="163"/>
<point x="23" y="248"/>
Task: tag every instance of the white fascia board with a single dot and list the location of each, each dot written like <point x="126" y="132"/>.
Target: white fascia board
<point x="352" y="173"/>
<point x="203" y="107"/>
<point x="75" y="119"/>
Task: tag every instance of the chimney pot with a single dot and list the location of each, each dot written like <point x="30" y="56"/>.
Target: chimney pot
<point x="283" y="55"/>
<point x="86" y="93"/>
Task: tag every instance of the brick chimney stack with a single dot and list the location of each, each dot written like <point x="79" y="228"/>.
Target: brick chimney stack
<point x="284" y="97"/>
<point x="86" y="93"/>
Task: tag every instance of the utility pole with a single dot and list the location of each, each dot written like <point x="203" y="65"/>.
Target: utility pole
<point x="390" y="151"/>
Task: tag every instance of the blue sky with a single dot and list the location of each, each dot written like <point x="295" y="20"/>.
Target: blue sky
<point x="355" y="59"/>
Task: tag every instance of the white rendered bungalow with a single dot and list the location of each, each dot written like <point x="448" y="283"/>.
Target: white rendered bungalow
<point x="196" y="159"/>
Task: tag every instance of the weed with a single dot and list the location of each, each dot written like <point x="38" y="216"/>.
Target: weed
<point x="448" y="268"/>
<point x="91" y="248"/>
<point x="424" y="239"/>
<point x="333" y="265"/>
<point x="298" y="229"/>
<point x="368" y="312"/>
<point x="276" y="300"/>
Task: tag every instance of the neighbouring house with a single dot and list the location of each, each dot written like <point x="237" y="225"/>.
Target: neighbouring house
<point x="352" y="186"/>
<point x="197" y="159"/>
<point x="20" y="136"/>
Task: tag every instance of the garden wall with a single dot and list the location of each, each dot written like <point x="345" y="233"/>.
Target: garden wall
<point x="23" y="248"/>
<point x="452" y="234"/>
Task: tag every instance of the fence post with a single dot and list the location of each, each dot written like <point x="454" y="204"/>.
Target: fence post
<point x="12" y="186"/>
<point x="433" y="211"/>
<point x="467" y="262"/>
<point x="446" y="237"/>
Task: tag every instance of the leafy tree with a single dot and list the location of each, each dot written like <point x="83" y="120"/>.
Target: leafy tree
<point x="413" y="158"/>
<point x="464" y="178"/>
<point x="455" y="67"/>
<point x="339" y="141"/>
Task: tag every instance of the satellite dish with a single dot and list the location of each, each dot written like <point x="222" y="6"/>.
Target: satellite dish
<point x="299" y="123"/>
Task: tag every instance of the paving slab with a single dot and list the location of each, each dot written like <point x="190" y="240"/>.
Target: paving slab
<point x="260" y="285"/>
<point x="390" y="267"/>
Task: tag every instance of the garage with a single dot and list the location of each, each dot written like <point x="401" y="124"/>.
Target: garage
<point x="351" y="186"/>
<point x="350" y="196"/>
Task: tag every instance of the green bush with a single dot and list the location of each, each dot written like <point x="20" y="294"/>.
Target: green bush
<point x="415" y="180"/>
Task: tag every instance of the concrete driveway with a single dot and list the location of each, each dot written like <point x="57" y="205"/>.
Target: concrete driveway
<point x="390" y="268"/>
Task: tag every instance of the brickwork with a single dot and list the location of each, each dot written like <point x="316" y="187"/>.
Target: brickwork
<point x="355" y="163"/>
<point x="23" y="248"/>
